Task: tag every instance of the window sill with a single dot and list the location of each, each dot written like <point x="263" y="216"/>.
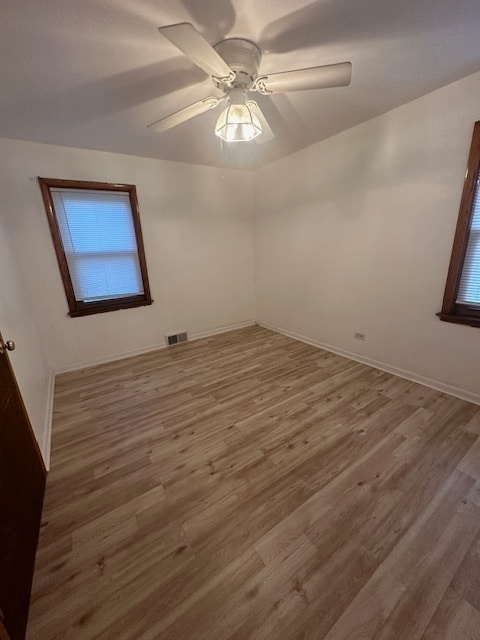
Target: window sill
<point x="458" y="319"/>
<point x="88" y="309"/>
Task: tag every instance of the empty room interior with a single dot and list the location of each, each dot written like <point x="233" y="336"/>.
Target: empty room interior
<point x="240" y="320"/>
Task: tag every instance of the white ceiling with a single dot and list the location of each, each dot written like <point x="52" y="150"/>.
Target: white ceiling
<point x="94" y="73"/>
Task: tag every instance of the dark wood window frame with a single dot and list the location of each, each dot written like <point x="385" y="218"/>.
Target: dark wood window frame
<point x="79" y="307"/>
<point x="451" y="310"/>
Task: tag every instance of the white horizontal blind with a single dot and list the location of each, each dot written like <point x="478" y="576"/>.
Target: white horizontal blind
<point x="469" y="289"/>
<point x="99" y="243"/>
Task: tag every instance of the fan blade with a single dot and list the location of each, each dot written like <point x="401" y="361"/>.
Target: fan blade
<point x="267" y="133"/>
<point x="191" y="42"/>
<point x="331" y="75"/>
<point x="185" y="114"/>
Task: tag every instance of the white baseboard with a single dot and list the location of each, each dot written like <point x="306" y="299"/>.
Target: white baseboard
<point x="463" y="394"/>
<point x="154" y="347"/>
<point x="46" y="445"/>
<point x="213" y="332"/>
<point x="118" y="356"/>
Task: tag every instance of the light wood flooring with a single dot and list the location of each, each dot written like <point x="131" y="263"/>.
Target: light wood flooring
<point x="252" y="486"/>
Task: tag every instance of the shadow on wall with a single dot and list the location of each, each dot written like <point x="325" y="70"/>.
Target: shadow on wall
<point x="367" y="159"/>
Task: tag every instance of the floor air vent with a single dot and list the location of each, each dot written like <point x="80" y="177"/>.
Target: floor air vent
<point x="176" y="338"/>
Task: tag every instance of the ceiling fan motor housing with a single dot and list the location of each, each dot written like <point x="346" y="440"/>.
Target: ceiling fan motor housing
<point x="243" y="57"/>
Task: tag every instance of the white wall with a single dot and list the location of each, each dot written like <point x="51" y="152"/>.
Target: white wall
<point x="354" y="234"/>
<point x="34" y="376"/>
<point x="197" y="228"/>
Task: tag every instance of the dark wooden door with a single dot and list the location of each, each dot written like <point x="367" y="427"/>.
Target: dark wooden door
<point x="22" y="485"/>
<point x="3" y="632"/>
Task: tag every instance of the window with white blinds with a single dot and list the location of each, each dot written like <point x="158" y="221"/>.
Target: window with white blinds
<point x="469" y="288"/>
<point x="97" y="237"/>
<point x="461" y="300"/>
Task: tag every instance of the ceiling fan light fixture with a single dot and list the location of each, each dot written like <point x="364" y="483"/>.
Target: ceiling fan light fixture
<point x="233" y="65"/>
<point x="238" y="122"/>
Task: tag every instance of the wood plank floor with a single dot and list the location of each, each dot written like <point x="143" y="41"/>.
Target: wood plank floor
<point x="252" y="486"/>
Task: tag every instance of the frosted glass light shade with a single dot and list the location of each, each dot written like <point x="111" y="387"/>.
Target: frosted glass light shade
<point x="237" y="123"/>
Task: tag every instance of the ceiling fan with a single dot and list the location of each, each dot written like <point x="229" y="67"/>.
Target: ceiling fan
<point x="233" y="65"/>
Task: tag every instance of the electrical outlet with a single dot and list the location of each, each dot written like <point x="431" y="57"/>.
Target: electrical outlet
<point x="359" y="336"/>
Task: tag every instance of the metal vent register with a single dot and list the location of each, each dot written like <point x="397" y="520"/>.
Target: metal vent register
<point x="176" y="338"/>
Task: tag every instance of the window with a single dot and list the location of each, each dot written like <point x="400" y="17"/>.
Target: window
<point x="97" y="236"/>
<point x="461" y="302"/>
